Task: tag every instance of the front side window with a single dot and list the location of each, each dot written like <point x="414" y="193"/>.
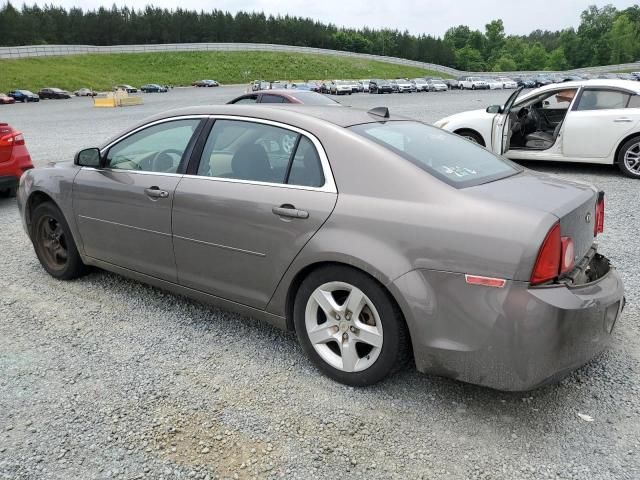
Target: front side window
<point x="448" y="157"/>
<point x="258" y="152"/>
<point x="158" y="148"/>
<point x="603" y="100"/>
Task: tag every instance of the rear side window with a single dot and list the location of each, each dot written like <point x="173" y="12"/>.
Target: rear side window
<point x="603" y="100"/>
<point x="306" y="169"/>
<point x="251" y="99"/>
<point x="452" y="159"/>
<point x="266" y="98"/>
<point x="634" y="102"/>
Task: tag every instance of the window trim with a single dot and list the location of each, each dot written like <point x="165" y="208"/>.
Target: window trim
<point x="329" y="181"/>
<point x="186" y="155"/>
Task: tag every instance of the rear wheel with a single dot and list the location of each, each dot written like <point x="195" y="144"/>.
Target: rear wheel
<point x="472" y="136"/>
<point x="349" y="326"/>
<point x="54" y="244"/>
<point x="629" y="158"/>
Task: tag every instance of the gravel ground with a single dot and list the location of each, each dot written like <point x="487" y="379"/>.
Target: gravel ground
<point x="104" y="377"/>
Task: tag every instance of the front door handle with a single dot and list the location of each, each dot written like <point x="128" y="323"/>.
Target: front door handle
<point x="623" y="120"/>
<point x="155" y="192"/>
<point x="289" y="211"/>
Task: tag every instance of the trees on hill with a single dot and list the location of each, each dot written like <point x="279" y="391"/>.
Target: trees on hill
<point x="605" y="35"/>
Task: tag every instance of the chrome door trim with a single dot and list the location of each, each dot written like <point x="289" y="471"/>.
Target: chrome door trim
<point x="125" y="225"/>
<point x="224" y="247"/>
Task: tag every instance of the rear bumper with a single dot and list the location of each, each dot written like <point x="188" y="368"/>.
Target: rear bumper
<point x="7" y="182"/>
<point x="514" y="338"/>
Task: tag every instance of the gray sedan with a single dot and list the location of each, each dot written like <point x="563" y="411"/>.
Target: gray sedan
<point x="379" y="240"/>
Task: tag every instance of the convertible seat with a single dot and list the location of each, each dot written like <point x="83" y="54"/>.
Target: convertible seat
<point x="251" y="162"/>
<point x="542" y="140"/>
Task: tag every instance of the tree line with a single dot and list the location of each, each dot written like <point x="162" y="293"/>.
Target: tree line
<point x="605" y="35"/>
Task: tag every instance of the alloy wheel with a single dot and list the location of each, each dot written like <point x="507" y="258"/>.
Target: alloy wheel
<point x="53" y="242"/>
<point x="632" y="158"/>
<point x="343" y="326"/>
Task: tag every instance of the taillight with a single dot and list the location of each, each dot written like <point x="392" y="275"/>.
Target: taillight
<point x="13" y="138"/>
<point x="556" y="256"/>
<point x="598" y="224"/>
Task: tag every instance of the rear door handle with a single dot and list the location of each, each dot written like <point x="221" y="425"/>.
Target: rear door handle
<point x="155" y="192"/>
<point x="623" y="120"/>
<point x="289" y="211"/>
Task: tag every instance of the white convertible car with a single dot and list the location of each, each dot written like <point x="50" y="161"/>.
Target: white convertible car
<point x="592" y="121"/>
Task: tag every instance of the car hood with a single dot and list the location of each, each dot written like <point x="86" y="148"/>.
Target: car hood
<point x="466" y="116"/>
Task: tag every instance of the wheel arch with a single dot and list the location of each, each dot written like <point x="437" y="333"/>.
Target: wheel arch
<point x="461" y="131"/>
<point x="621" y="143"/>
<point x="36" y="198"/>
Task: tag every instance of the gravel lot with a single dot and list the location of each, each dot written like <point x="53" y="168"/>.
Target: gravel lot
<point x="108" y="378"/>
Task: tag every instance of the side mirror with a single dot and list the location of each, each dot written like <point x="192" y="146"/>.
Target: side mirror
<point x="494" y="109"/>
<point x="89" y="157"/>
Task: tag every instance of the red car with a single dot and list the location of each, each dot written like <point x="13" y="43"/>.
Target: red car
<point x="6" y="99"/>
<point x="285" y="96"/>
<point x="14" y="159"/>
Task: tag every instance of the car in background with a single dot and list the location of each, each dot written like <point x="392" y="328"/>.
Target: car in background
<point x="635" y="75"/>
<point x="403" y="85"/>
<point x="420" y="84"/>
<point x="525" y="82"/>
<point x="590" y="121"/>
<point x="435" y="85"/>
<point x="473" y="83"/>
<point x="508" y="83"/>
<point x="542" y="80"/>
<point x="494" y="83"/>
<point x="292" y="95"/>
<point x="572" y="78"/>
<point x="365" y="85"/>
<point x="6" y="99"/>
<point x="340" y="87"/>
<point x="85" y="92"/>
<point x="380" y="86"/>
<point x="126" y="88"/>
<point x="452" y="83"/>
<point x="377" y="239"/>
<point x="51" y="93"/>
<point x="356" y="86"/>
<point x="153" y="88"/>
<point x="205" y="83"/>
<point x="23" y="96"/>
<point x="14" y="159"/>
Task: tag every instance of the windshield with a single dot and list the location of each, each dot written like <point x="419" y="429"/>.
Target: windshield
<point x="448" y="157"/>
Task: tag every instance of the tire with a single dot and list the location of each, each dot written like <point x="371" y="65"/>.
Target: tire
<point x="60" y="259"/>
<point x="471" y="136"/>
<point x="629" y="158"/>
<point x="8" y="192"/>
<point x="367" y="363"/>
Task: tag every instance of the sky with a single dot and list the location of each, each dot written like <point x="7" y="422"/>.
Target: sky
<point x="425" y="16"/>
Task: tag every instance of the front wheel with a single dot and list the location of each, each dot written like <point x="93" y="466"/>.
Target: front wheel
<point x="349" y="326"/>
<point x="53" y="243"/>
<point x="629" y="158"/>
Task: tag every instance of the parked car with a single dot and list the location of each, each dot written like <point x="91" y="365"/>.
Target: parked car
<point x="85" y="92"/>
<point x="380" y="86"/>
<point x="23" y="96"/>
<point x="420" y="84"/>
<point x="126" y="88"/>
<point x="434" y="85"/>
<point x="452" y="83"/>
<point x="404" y="86"/>
<point x="340" y="87"/>
<point x="6" y="99"/>
<point x="542" y="80"/>
<point x="431" y="249"/>
<point x="205" y="83"/>
<point x="53" y="94"/>
<point x="293" y="95"/>
<point x="14" y="159"/>
<point x="356" y="87"/>
<point x="635" y="75"/>
<point x="525" y="82"/>
<point x="592" y="121"/>
<point x="494" y="83"/>
<point x="473" y="83"/>
<point x="153" y="88"/>
<point x="365" y="85"/>
<point x="508" y="82"/>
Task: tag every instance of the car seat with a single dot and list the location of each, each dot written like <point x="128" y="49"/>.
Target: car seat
<point x="251" y="162"/>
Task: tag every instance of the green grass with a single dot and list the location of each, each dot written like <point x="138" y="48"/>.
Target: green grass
<point x="102" y="72"/>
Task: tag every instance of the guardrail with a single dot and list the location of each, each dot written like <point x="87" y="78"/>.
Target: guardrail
<point x="60" y="50"/>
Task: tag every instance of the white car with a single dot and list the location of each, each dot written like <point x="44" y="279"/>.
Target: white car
<point x="591" y="121"/>
<point x="365" y="85"/>
<point x="437" y="86"/>
<point x="340" y="87"/>
<point x="421" y="84"/>
<point x="404" y="85"/>
<point x="508" y="82"/>
<point x="473" y="83"/>
<point x="494" y="84"/>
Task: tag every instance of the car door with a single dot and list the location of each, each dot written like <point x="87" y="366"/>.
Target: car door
<point x="258" y="194"/>
<point x="598" y="121"/>
<point x="500" y="127"/>
<point x="123" y="209"/>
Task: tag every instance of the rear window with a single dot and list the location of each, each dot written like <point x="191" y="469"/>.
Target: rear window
<point x="452" y="159"/>
<point x="312" y="98"/>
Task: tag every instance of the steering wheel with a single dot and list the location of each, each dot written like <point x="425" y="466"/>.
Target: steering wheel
<point x="169" y="155"/>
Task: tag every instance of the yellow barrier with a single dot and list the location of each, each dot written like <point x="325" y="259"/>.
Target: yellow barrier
<point x="117" y="99"/>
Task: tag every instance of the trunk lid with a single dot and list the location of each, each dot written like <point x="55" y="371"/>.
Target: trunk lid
<point x="573" y="203"/>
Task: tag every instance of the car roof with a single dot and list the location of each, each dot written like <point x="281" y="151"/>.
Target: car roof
<point x="596" y="82"/>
